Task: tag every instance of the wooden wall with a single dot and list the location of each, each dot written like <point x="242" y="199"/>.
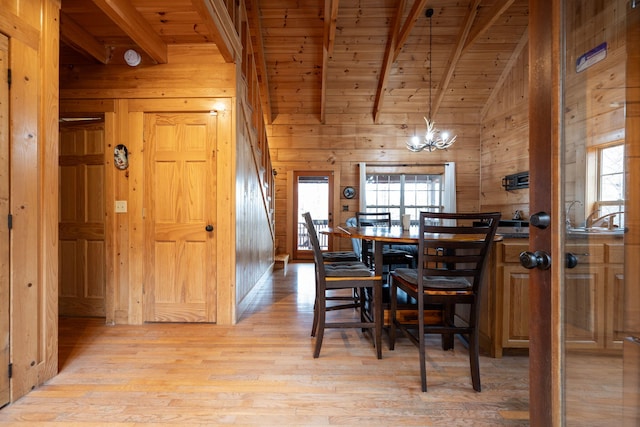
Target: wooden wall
<point x="124" y="94"/>
<point x="595" y="97"/>
<point x="301" y="143"/>
<point x="32" y="29"/>
<point x="594" y="111"/>
<point x="505" y="142"/>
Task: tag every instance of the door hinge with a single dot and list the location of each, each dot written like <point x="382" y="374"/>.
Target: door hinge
<point x="10" y="221"/>
<point x="9" y="76"/>
<point x="10" y="371"/>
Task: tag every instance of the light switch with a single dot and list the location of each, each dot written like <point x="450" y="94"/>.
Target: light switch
<point x="121" y="206"/>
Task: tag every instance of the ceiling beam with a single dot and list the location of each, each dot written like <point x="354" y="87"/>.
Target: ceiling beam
<point x="220" y="27"/>
<point x="412" y="19"/>
<point x="490" y="18"/>
<point x="387" y="63"/>
<point x="455" y="54"/>
<point x="253" y="17"/>
<point x="82" y="41"/>
<point x="126" y="16"/>
<point x="328" y="41"/>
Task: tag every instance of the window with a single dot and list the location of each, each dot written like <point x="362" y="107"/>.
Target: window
<point x="610" y="195"/>
<point x="402" y="194"/>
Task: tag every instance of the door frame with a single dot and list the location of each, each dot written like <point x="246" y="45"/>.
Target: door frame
<point x="5" y="273"/>
<point x="308" y="255"/>
<point x="545" y="327"/>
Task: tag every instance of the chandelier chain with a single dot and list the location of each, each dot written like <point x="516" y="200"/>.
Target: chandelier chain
<point x="433" y="138"/>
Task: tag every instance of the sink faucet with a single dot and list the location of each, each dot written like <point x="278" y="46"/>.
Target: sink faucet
<point x="605" y="220"/>
<point x="567" y="217"/>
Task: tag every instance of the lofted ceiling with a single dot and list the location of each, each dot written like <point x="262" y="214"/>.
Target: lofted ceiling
<point x="353" y="58"/>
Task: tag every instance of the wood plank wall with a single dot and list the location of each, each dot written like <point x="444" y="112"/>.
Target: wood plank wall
<point x="125" y="93"/>
<point x="594" y="109"/>
<point x="505" y="141"/>
<point x="302" y="143"/>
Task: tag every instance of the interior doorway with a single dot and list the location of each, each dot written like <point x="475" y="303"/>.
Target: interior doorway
<point x="312" y="193"/>
<point x="82" y="248"/>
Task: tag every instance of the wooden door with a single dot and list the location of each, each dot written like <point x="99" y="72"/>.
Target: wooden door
<point x="81" y="263"/>
<point x="180" y="217"/>
<point x="4" y="231"/>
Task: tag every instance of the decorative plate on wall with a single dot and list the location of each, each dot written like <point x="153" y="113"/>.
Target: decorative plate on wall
<point x="349" y="192"/>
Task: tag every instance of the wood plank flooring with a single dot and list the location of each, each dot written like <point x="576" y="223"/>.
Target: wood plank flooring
<point x="261" y="372"/>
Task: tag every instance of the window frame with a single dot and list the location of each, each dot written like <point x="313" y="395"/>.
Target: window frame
<point x="402" y="207"/>
<point x="594" y="186"/>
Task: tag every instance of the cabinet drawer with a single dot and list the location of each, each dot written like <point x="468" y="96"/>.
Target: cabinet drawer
<point x="614" y="253"/>
<point x="587" y="253"/>
<point x="511" y="251"/>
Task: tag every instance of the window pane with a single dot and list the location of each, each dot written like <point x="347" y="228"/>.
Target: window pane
<point x="611" y="187"/>
<point x="612" y="160"/>
<point x="403" y="194"/>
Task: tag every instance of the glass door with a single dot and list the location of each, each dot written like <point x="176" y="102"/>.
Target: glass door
<point x="312" y="193"/>
<point x="594" y="82"/>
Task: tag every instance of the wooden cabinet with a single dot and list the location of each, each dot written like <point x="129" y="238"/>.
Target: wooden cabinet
<point x="584" y="286"/>
<point x="614" y="294"/>
<point x="593" y="292"/>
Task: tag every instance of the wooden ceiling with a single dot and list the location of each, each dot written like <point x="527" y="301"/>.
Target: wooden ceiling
<point x="350" y="57"/>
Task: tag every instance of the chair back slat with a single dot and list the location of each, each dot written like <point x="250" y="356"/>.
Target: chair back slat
<point x="373" y="219"/>
<point x="466" y="257"/>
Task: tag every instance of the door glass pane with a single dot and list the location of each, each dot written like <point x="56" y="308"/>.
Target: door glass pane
<point x="593" y="186"/>
<point x="313" y="197"/>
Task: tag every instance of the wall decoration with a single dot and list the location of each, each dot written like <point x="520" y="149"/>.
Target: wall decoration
<point x="592" y="57"/>
<point x="121" y="157"/>
<point x="349" y="192"/>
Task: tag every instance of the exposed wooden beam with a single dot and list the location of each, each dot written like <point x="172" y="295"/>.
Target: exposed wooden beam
<point x="409" y="23"/>
<point x="490" y="18"/>
<point x="221" y="28"/>
<point x="80" y="40"/>
<point x="455" y="54"/>
<point x="389" y="54"/>
<point x="127" y="17"/>
<point x="253" y="18"/>
<point x="328" y="40"/>
<point x="506" y="71"/>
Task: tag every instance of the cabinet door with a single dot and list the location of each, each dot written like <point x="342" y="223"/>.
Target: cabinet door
<point x="515" y="325"/>
<point x="615" y="305"/>
<point x="584" y="307"/>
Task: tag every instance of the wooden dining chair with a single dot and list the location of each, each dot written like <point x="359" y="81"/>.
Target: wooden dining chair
<point x="450" y="271"/>
<point x="390" y="256"/>
<point x="354" y="276"/>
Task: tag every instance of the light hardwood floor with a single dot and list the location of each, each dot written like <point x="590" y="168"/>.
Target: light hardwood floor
<point x="261" y="372"/>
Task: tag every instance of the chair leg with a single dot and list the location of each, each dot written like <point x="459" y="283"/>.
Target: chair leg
<point x="448" y="314"/>
<point x="392" y="313"/>
<point x="314" y="327"/>
<point x="421" y="349"/>
<point x="322" y="313"/>
<point x="378" y="318"/>
<point x="474" y="350"/>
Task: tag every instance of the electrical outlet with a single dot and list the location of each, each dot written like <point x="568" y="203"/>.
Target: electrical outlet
<point x="121" y="206"/>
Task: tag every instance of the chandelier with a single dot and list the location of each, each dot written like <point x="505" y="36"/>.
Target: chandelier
<point x="433" y="138"/>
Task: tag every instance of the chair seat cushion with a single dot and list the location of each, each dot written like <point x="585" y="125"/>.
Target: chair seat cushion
<point x="434" y="282"/>
<point x="340" y="256"/>
<point x="347" y="270"/>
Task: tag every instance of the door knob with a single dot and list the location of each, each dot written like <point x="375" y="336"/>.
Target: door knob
<point x="209" y="228"/>
<point x="570" y="260"/>
<point x="538" y="259"/>
<point x="540" y="220"/>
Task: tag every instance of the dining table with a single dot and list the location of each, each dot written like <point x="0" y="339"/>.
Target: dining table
<point x="395" y="235"/>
